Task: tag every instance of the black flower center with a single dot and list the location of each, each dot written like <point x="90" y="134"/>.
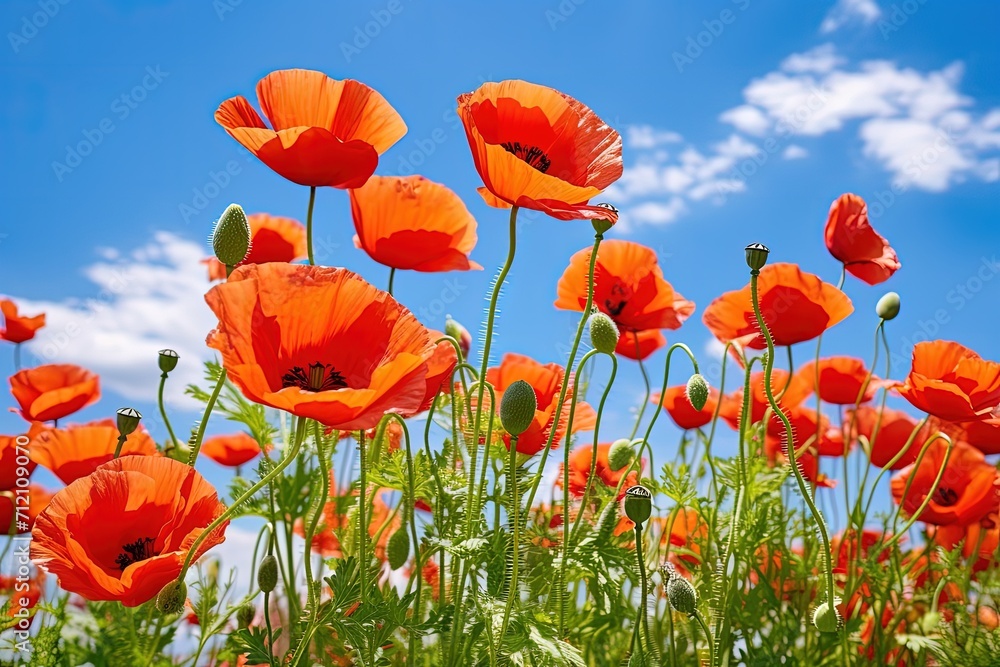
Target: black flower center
<point x="946" y="497"/>
<point x="134" y="552"/>
<point x="533" y="155"/>
<point x="614" y="309"/>
<point x="319" y="377"/>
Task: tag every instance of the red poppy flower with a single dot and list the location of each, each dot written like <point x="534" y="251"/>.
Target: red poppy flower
<point x="123" y="532"/>
<point x="893" y="432"/>
<point x="53" y="391"/>
<point x="840" y="380"/>
<point x="684" y="531"/>
<point x="797" y="306"/>
<point x="851" y="239"/>
<point x="579" y="469"/>
<point x="38" y="500"/>
<point x="807" y="426"/>
<point x="11" y="448"/>
<point x="983" y="435"/>
<point x="546" y="380"/>
<point x="628" y="287"/>
<point x="807" y="461"/>
<point x="326" y="541"/>
<point x="321" y="343"/>
<point x="78" y="450"/>
<point x="638" y="345"/>
<point x="537" y="148"/>
<point x="272" y="239"/>
<point x="969" y="488"/>
<point x="18" y="328"/>
<point x="409" y="222"/>
<point x="979" y="539"/>
<point x="677" y="405"/>
<point x="325" y="132"/>
<point x="231" y="450"/>
<point x="439" y="367"/>
<point x="952" y="382"/>
<point x="793" y="391"/>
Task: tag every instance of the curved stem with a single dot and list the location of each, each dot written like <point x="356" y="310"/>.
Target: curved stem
<point x="163" y="411"/>
<point x="408" y="517"/>
<point x="708" y="637"/>
<point x="196" y="445"/>
<point x="645" y="381"/>
<point x="309" y="226"/>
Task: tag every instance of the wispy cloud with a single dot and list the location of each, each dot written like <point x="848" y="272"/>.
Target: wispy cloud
<point x="850" y="11"/>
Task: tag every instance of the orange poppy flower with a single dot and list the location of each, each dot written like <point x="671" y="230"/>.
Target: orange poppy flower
<point x="979" y="539"/>
<point x="983" y="435"/>
<point x="893" y="432"/>
<point x="628" y="287"/>
<point x="325" y="132"/>
<point x="546" y="380"/>
<point x="78" y="450"/>
<point x="677" y="405"/>
<point x="12" y="447"/>
<point x="409" y="222"/>
<point x="537" y="148"/>
<point x="53" y="391"/>
<point x="579" y="469"/>
<point x="840" y="380"/>
<point x="638" y="345"/>
<point x="325" y="540"/>
<point x="969" y="489"/>
<point x="797" y="306"/>
<point x="776" y="452"/>
<point x="272" y="239"/>
<point x="952" y="382"/>
<point x="22" y="595"/>
<point x="321" y="343"/>
<point x="231" y="450"/>
<point x="686" y="534"/>
<point x="850" y="238"/>
<point x="123" y="532"/>
<point x="807" y="426"/>
<point x="793" y="392"/>
<point x="439" y="367"/>
<point x="18" y="328"/>
<point x="38" y="500"/>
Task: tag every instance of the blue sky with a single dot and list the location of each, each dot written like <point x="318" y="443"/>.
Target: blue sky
<point x="742" y="120"/>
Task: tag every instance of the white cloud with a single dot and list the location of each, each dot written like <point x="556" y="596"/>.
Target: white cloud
<point x="820" y="60"/>
<point x="794" y="152"/>
<point x="150" y="299"/>
<point x="849" y="11"/>
<point x="646" y="136"/>
<point x="747" y="119"/>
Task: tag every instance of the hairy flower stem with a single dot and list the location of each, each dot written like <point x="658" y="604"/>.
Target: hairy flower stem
<point x="163" y="411"/>
<point x="362" y="523"/>
<point x="645" y="381"/>
<point x="790" y="440"/>
<point x="196" y="445"/>
<point x="643" y="616"/>
<point x="515" y="515"/>
<point x="309" y="226"/>
<point x="708" y="637"/>
<point x="312" y="589"/>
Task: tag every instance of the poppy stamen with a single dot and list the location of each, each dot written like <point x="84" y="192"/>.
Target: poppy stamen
<point x="533" y="155"/>
<point x="136" y="551"/>
<point x="319" y="377"/>
<point x="614" y="310"/>
<point x="946" y="497"/>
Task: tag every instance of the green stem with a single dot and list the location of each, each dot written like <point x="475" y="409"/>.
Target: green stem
<point x="309" y="226"/>
<point x="643" y="616"/>
<point x="708" y="637"/>
<point x="163" y="411"/>
<point x="203" y="424"/>
<point x="312" y="592"/>
<point x="392" y="276"/>
<point x="515" y="507"/>
<point x="409" y="518"/>
<point x="645" y="380"/>
<point x="362" y="524"/>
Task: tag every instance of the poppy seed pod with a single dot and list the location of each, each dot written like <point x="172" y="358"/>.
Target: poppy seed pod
<point x="267" y="573"/>
<point x="168" y="360"/>
<point x="620" y="454"/>
<point x="245" y="615"/>
<point x="697" y="391"/>
<point x="231" y="236"/>
<point x="638" y="505"/>
<point x="397" y="549"/>
<point x="601" y="226"/>
<point x="603" y="333"/>
<point x="827" y="618"/>
<point x="517" y="407"/>
<point x="128" y="420"/>
<point x="888" y="306"/>
<point x="757" y="256"/>
<point x="454" y="329"/>
<point x="170" y="599"/>
<point x="682" y="595"/>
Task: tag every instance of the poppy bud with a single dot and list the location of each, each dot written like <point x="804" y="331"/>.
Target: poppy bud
<point x="128" y="420"/>
<point x="245" y="615"/>
<point x="638" y="504"/>
<point x="603" y="333"/>
<point x="757" y="256"/>
<point x="517" y="407"/>
<point x="888" y="306"/>
<point x="397" y="549"/>
<point x="620" y="454"/>
<point x="601" y="226"/>
<point x="170" y="599"/>
<point x="682" y="595"/>
<point x="267" y="573"/>
<point x="827" y="618"/>
<point x="231" y="236"/>
<point x="697" y="391"/>
<point x="168" y="360"/>
<point x="459" y="333"/>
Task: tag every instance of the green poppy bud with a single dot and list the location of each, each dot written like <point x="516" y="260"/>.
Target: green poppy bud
<point x="603" y="333"/>
<point x="397" y="549"/>
<point x="168" y="360"/>
<point x="682" y="595"/>
<point x="267" y="573"/>
<point x="757" y="256"/>
<point x="231" y="236"/>
<point x="517" y="407"/>
<point x="827" y="618"/>
<point x="170" y="599"/>
<point x="128" y="420"/>
<point x="620" y="454"/>
<point x="461" y="334"/>
<point x="697" y="391"/>
<point x="888" y="306"/>
<point x="638" y="504"/>
<point x="601" y="226"/>
<point x="245" y="615"/>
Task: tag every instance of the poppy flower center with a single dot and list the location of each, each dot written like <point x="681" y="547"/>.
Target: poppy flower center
<point x="946" y="497"/>
<point x="134" y="552"/>
<point x="319" y="377"/>
<point x="533" y="155"/>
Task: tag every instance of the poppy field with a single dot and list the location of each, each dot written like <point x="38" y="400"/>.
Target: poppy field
<point x="428" y="498"/>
